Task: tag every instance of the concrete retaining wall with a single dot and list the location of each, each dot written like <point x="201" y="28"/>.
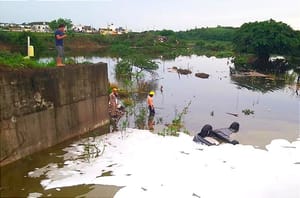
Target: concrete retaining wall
<point x="43" y="107"/>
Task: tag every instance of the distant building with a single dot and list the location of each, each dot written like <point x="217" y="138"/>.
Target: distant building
<point x="40" y="27"/>
<point x="84" y="29"/>
<point x="15" y="28"/>
<point x="44" y="27"/>
<point x="77" y="28"/>
<point x="106" y="31"/>
<point x="10" y="27"/>
<point x="89" y="29"/>
<point x="26" y="28"/>
<point x="4" y="25"/>
<point x="121" y="30"/>
<point x="111" y="30"/>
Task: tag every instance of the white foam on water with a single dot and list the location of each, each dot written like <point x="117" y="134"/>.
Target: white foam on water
<point x="34" y="195"/>
<point x="148" y="165"/>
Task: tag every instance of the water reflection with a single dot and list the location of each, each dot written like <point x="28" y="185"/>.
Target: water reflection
<point x="275" y="102"/>
<point x="265" y="84"/>
<point x="15" y="180"/>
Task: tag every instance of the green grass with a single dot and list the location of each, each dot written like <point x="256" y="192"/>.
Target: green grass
<point x="14" y="60"/>
<point x="124" y="45"/>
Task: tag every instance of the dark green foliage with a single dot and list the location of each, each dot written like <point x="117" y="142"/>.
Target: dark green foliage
<point x="265" y="38"/>
<point x="123" y="69"/>
<point x="216" y="34"/>
<point x="167" y="33"/>
<point x="38" y="44"/>
<point x="259" y="38"/>
<point x="141" y="62"/>
<point x="5" y="37"/>
<point x="19" y="40"/>
<point x="120" y="50"/>
<point x="55" y="23"/>
<point x="214" y="48"/>
<point x="296" y="52"/>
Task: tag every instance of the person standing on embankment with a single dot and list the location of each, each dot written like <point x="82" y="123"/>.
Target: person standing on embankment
<point x="59" y="43"/>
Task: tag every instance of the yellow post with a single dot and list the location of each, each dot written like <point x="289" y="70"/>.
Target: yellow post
<point x="30" y="51"/>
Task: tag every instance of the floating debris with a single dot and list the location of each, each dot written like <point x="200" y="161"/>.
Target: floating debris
<point x="251" y="74"/>
<point x="184" y="71"/>
<point x="233" y="114"/>
<point x="248" y="111"/>
<point x="180" y="71"/>
<point x="202" y="75"/>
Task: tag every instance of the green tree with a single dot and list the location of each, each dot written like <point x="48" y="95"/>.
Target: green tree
<point x="55" y="23"/>
<point x="139" y="61"/>
<point x="265" y="38"/>
<point x="143" y="63"/>
<point x="167" y="33"/>
<point x="120" y="50"/>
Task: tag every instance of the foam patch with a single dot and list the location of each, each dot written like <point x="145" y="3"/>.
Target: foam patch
<point x="148" y="165"/>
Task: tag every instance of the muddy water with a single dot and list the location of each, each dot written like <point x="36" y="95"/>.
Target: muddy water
<point x="275" y="105"/>
<point x="15" y="181"/>
<point x="275" y="102"/>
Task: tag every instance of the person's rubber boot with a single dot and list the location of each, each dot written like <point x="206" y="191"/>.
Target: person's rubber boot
<point x="59" y="62"/>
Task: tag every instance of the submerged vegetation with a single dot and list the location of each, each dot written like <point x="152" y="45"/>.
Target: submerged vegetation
<point x="177" y="124"/>
<point x="247" y="111"/>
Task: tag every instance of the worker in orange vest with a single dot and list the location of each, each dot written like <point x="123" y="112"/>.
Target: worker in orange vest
<point x="150" y="103"/>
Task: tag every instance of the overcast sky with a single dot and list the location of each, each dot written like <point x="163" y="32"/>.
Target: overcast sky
<point x="139" y="15"/>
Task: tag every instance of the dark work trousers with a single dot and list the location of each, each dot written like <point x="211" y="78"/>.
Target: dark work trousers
<point x="151" y="111"/>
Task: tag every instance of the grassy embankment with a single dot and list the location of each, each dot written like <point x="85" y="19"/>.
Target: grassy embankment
<point x="204" y="41"/>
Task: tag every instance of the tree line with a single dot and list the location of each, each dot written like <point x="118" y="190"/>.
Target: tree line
<point x="259" y="39"/>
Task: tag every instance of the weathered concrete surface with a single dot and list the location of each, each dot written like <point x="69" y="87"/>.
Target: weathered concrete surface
<point x="43" y="107"/>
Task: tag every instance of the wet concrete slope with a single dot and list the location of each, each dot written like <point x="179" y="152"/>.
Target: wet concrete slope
<point x="40" y="108"/>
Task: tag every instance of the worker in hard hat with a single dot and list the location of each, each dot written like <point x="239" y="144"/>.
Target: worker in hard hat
<point x="150" y="103"/>
<point x="113" y="102"/>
